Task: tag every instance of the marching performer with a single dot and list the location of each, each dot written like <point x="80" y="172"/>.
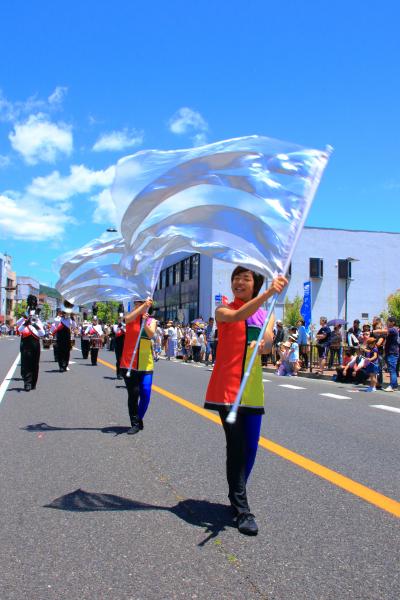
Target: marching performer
<point x="61" y="329"/>
<point x="239" y="324"/>
<point x="30" y="329"/>
<point x="85" y="340"/>
<point x="95" y="331"/>
<point x="140" y="380"/>
<point x="53" y="335"/>
<point x="119" y="337"/>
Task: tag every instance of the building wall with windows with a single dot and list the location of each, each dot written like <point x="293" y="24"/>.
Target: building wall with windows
<point x="374" y="276"/>
<point x="26" y="286"/>
<point x="7" y="294"/>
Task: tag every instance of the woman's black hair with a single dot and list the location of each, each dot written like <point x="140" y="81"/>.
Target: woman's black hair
<point x="257" y="278"/>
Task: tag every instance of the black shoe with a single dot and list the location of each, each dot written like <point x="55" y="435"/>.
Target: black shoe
<point x="119" y="376"/>
<point x="247" y="525"/>
<point x="135" y="428"/>
<point x="141" y="426"/>
<point x="27" y="387"/>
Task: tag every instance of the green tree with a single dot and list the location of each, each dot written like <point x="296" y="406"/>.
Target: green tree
<point x="21" y="309"/>
<point x="393" y="305"/>
<point x="107" y="312"/>
<point x="292" y="311"/>
<point x="46" y="311"/>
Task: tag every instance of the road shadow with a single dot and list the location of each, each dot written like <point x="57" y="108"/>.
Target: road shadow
<point x="54" y="371"/>
<point x="211" y="516"/>
<point x="112" y="378"/>
<point x="115" y="429"/>
<point x="16" y="389"/>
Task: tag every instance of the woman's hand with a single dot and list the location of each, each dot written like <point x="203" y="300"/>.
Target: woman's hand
<point x="145" y="306"/>
<point x="277" y="285"/>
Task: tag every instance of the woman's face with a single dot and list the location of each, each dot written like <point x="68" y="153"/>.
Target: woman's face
<point x="243" y="286"/>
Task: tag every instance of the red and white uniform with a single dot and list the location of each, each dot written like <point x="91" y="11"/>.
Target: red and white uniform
<point x="36" y="330"/>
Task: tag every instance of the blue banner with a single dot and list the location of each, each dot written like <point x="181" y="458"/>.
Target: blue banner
<point x="305" y="310"/>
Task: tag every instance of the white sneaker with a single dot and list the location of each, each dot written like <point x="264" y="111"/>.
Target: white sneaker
<point x="67" y="369"/>
<point x="388" y="389"/>
<point x="371" y="389"/>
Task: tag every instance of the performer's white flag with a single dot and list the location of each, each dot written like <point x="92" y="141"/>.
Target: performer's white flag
<point x="242" y="200"/>
<point x="101" y="271"/>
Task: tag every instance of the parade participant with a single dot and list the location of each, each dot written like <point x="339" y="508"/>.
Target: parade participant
<point x="85" y="339"/>
<point x="239" y="324"/>
<point x="57" y="321"/>
<point x="30" y="329"/>
<point x="62" y="330"/>
<point x="119" y="337"/>
<point x="95" y="331"/>
<point x="140" y="379"/>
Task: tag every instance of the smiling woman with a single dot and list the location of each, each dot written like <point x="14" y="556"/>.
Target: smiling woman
<point x="239" y="325"/>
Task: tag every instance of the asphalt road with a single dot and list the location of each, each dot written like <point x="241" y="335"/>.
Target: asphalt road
<point x="88" y="512"/>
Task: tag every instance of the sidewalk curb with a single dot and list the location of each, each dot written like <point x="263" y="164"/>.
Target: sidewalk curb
<point x="304" y="374"/>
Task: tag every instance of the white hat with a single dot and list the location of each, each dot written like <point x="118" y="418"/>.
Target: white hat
<point x="67" y="311"/>
<point x="32" y="313"/>
<point x="121" y="314"/>
<point x="95" y="317"/>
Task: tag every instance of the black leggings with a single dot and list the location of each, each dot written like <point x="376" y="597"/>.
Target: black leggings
<point x="241" y="449"/>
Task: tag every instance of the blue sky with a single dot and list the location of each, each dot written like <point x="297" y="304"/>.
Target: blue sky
<point x="84" y="83"/>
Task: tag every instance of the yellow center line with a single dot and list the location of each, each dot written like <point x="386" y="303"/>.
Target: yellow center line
<point x="353" y="487"/>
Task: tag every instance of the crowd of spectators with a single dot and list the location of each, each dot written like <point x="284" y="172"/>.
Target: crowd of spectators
<point x="358" y="355"/>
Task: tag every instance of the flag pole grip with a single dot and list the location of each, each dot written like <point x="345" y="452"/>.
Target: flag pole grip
<point x="231" y="418"/>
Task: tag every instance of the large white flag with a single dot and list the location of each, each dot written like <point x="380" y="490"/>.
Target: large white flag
<point x="242" y="200"/>
<point x="101" y="270"/>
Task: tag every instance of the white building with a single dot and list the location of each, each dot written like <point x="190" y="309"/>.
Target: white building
<point x="189" y="286"/>
<point x="7" y="290"/>
<point x="26" y="286"/>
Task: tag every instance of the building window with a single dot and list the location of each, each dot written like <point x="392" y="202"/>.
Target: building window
<point x="316" y="268"/>
<point x="195" y="266"/>
<point x="186" y="270"/>
<point x="170" y="276"/>
<point x="163" y="280"/>
<point x="177" y="273"/>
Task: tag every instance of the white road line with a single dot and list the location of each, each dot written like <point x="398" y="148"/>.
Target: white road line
<point x="384" y="407"/>
<point x="267" y="380"/>
<point x="336" y="396"/>
<point x="291" y="387"/>
<point x="8" y="377"/>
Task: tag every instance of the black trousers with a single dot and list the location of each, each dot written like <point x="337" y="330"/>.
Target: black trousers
<point x="30" y="358"/>
<point x="63" y="348"/>
<point x="94" y="352"/>
<point x="85" y="347"/>
<point x="118" y="347"/>
<point x="236" y="459"/>
<point x="55" y="350"/>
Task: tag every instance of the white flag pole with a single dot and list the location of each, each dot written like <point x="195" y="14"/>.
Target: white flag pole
<point x="128" y="373"/>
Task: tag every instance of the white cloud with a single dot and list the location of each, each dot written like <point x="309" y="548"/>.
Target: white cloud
<point x="81" y="180"/>
<point x="199" y="139"/>
<point x="4" y="161"/>
<point x="105" y="211"/>
<point x="57" y="97"/>
<point x="187" y="120"/>
<point x="38" y="139"/>
<point x="118" y="140"/>
<point x="12" y="111"/>
<point x="26" y="218"/>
